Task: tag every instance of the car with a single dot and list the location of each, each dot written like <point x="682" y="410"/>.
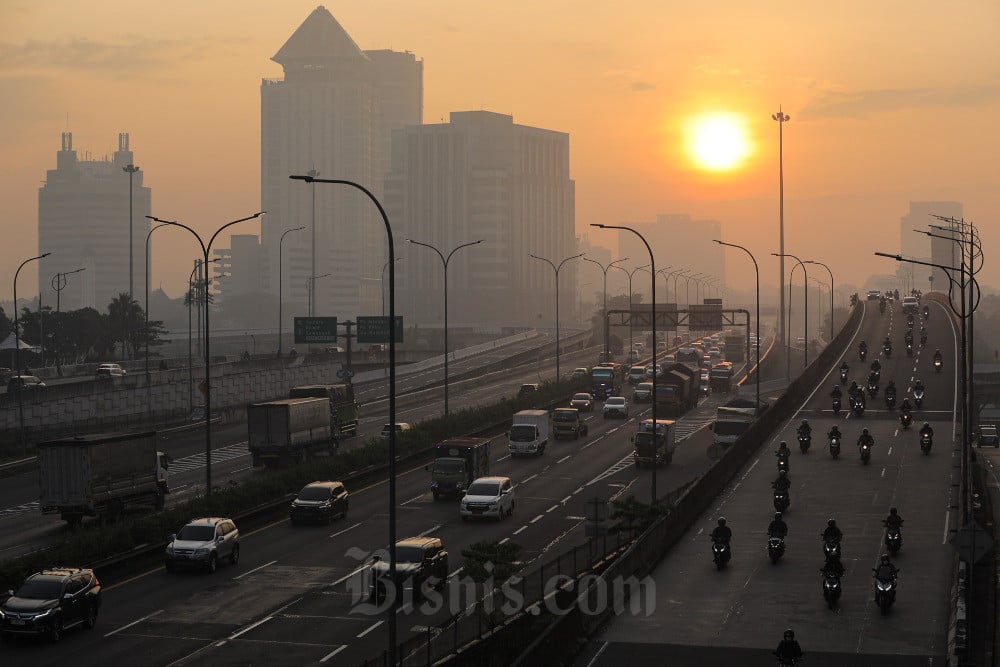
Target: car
<point x="636" y="374"/>
<point x="50" y="602"/>
<point x="204" y="542"/>
<point x="615" y="406"/>
<point x="319" y="501"/>
<point x="488" y="497"/>
<point x="634" y="356"/>
<point x="910" y="304"/>
<point x="661" y="346"/>
<point x="643" y="392"/>
<point x="528" y="389"/>
<point x="874" y="295"/>
<point x="26" y="382"/>
<point x="988" y="436"/>
<point x="109" y="371"/>
<point x="705" y="383"/>
<point x="401" y="427"/>
<point x="639" y="347"/>
<point x="706" y="360"/>
<point x="581" y="372"/>
<point x="800" y="341"/>
<point x="418" y="560"/>
<point x="583" y="402"/>
<point x="714" y="352"/>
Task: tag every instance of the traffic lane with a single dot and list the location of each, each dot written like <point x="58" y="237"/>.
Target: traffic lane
<point x="706" y="607"/>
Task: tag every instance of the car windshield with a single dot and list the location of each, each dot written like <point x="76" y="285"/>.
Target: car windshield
<point x="484" y="489"/>
<point x="40" y="589"/>
<point x="581" y="397"/>
<point x="407" y="554"/>
<point x="565" y="416"/>
<point x="615" y="401"/>
<point x="522" y="432"/>
<point x="645" y="386"/>
<point x="449" y="465"/>
<point x="197" y="533"/>
<point x="314" y="493"/>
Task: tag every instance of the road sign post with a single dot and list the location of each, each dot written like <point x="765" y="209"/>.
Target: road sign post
<point x="375" y="329"/>
<point x="315" y="330"/>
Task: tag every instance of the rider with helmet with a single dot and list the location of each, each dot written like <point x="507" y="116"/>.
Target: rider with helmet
<point x="782" y="483"/>
<point x="834" y="432"/>
<point x="918" y="386"/>
<point x="833" y="566"/>
<point x="805" y="428"/>
<point x="789" y="652"/>
<point x="836" y="393"/>
<point x="777" y="527"/>
<point x="905" y="405"/>
<point x="893" y="521"/>
<point x="926" y="430"/>
<point x="937" y="356"/>
<point x="832" y="533"/>
<point x="885" y="570"/>
<point x="722" y="533"/>
<point x="865" y="439"/>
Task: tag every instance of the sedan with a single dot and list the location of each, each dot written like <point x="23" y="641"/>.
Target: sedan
<point x="616" y="406"/>
<point x="583" y="402"/>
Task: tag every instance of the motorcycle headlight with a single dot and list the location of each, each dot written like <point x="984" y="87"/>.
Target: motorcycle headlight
<point x="884" y="585"/>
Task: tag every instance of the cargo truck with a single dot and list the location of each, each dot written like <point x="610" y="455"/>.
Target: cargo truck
<point x="568" y="422"/>
<point x="529" y="433"/>
<point x="458" y="461"/>
<point x="732" y="420"/>
<point x="344" y="410"/>
<point x="720" y="378"/>
<point x="655" y="450"/>
<point x="677" y="389"/>
<point x="603" y="382"/>
<point x="289" y="429"/>
<point x="101" y="475"/>
<point x="735" y="348"/>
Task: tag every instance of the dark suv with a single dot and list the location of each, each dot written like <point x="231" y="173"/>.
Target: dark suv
<point x="319" y="501"/>
<point x="50" y="602"/>
<point x="418" y="559"/>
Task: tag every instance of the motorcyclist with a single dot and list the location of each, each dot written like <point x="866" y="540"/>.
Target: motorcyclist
<point x="873" y="378"/>
<point x="890" y="389"/>
<point x="783" y="451"/>
<point x="832" y="533"/>
<point x="885" y="570"/>
<point x="937" y="356"/>
<point x="834" y="433"/>
<point x="789" y="652"/>
<point x="887" y="343"/>
<point x="876" y="366"/>
<point x="918" y="386"/>
<point x="863" y="347"/>
<point x="865" y="439"/>
<point x="777" y="527"/>
<point x="923" y="335"/>
<point x="782" y="483"/>
<point x="926" y="430"/>
<point x="893" y="521"/>
<point x="854" y="389"/>
<point x="722" y="533"/>
<point x="844" y="368"/>
<point x="927" y="312"/>
<point x="905" y="406"/>
<point x="833" y="566"/>
<point x="805" y="428"/>
<point x="836" y="393"/>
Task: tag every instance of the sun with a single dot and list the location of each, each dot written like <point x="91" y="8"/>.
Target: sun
<point x="718" y="141"/>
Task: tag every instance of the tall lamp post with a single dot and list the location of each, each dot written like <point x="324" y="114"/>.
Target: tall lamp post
<point x="391" y="612"/>
<point x="556" y="269"/>
<point x="809" y="261"/>
<point x="205" y="250"/>
<point x="679" y="273"/>
<point x="756" y="272"/>
<point x="805" y="319"/>
<point x="445" y="261"/>
<point x="17" y="354"/>
<point x="382" y="284"/>
<point x="281" y="294"/>
<point x="652" y="297"/>
<point x="129" y="169"/>
<point x="782" y="118"/>
<point x="604" y="318"/>
<point x="146" y="314"/>
<point x="59" y="284"/>
<point x="312" y="173"/>
<point x="311" y="290"/>
<point x="630" y="274"/>
<point x="192" y="299"/>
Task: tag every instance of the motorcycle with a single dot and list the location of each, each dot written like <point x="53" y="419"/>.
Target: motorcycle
<point x="783" y="463"/>
<point x="780" y="501"/>
<point x="866" y="453"/>
<point x="923" y="339"/>
<point x="831" y="549"/>
<point x="918" y="397"/>
<point x="720" y="554"/>
<point x="885" y="593"/>
<point x="909" y="349"/>
<point x="836" y="405"/>
<point x="858" y="405"/>
<point x="905" y="418"/>
<point x="831" y="589"/>
<point x="927" y="313"/>
<point x="804" y="441"/>
<point x="881" y="308"/>
<point x="863" y="353"/>
<point x="834" y="447"/>
<point x="890" y="399"/>
<point x="925" y="444"/>
<point x="937" y="365"/>
<point x="775" y="547"/>
<point x="872" y="388"/>
<point x="887" y="351"/>
<point x="909" y="321"/>
<point x="843" y="376"/>
<point x="893" y="540"/>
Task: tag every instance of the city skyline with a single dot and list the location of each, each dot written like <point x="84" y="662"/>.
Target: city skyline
<point x="867" y="135"/>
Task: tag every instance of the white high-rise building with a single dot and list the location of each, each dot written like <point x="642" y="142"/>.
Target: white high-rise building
<point x="481" y="177"/>
<point x="332" y="112"/>
<point x="919" y="246"/>
<point x="83" y="221"/>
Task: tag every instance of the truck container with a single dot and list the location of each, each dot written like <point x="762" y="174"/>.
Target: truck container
<point x="101" y="475"/>
<point x="732" y="420"/>
<point x="735" y="348"/>
<point x="529" y="433"/>
<point x="677" y="389"/>
<point x="344" y="410"/>
<point x="604" y="382"/>
<point x="457" y="462"/>
<point x="289" y="429"/>
<point x="654" y="450"/>
<point x="720" y="378"/>
<point x="568" y="422"/>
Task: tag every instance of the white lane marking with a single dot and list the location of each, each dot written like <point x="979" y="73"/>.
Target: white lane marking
<point x="506" y="539"/>
<point x="520" y="530"/>
<point x="333" y="653"/>
<point x="597" y="655"/>
<point x="528" y="479"/>
<point x="255" y="569"/>
<point x="429" y="531"/>
<point x="563" y="458"/>
<point x="406" y="502"/>
<point x="597" y="439"/>
<point x="348" y="576"/>
<point x="554" y="507"/>
<point x="503" y="458"/>
<point x="250" y="627"/>
<point x="341" y="532"/>
<point x="365" y="632"/>
<point x="126" y="627"/>
<point x="537" y="518"/>
<point x="454" y="573"/>
<point x="564" y="500"/>
<point x="883" y="473"/>
<point x="895" y="433"/>
<point x="890" y="452"/>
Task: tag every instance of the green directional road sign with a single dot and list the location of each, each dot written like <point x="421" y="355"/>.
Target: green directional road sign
<point x="315" y="330"/>
<point x="376" y="329"/>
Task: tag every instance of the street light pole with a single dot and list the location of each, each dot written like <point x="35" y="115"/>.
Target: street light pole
<point x="130" y="169"/>
<point x="17" y="355"/>
<point x="146" y="314"/>
<point x="445" y="261"/>
<point x="604" y="318"/>
<point x="205" y="250"/>
<point x="556" y="270"/>
<point x="805" y="319"/>
<point x="281" y="294"/>
<point x="59" y="282"/>
<point x="312" y="173"/>
<point x="382" y="284"/>
<point x="831" y="292"/>
<point x="391" y="611"/>
<point x="311" y="289"/>
<point x="652" y="296"/>
<point x="782" y="118"/>
<point x="756" y="272"/>
<point x="630" y="274"/>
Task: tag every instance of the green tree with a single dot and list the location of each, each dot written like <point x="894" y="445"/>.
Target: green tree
<point x="491" y="559"/>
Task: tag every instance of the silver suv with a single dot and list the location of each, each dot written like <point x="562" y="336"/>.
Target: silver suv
<point x="203" y="542"/>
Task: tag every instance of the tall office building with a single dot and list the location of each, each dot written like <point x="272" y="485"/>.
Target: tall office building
<point x="915" y="245"/>
<point x="332" y="112"/>
<point x="83" y="221"/>
<point x="677" y="242"/>
<point x="480" y="176"/>
<point x="236" y="268"/>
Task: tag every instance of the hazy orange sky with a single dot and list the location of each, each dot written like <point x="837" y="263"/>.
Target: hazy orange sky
<point x="891" y="101"/>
